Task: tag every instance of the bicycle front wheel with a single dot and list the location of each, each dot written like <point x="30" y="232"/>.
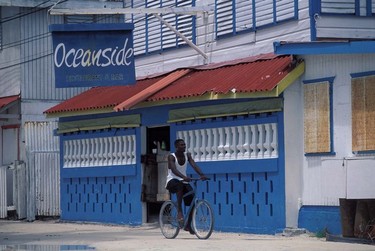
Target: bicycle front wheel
<point x="168" y="220"/>
<point x="203" y="220"/>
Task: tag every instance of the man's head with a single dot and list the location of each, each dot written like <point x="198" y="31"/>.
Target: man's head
<point x="180" y="145"/>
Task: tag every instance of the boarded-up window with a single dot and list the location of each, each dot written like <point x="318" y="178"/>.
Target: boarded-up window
<point x="317" y="117"/>
<point x="363" y="113"/>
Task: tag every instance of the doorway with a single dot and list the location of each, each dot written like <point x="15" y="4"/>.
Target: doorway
<point x="155" y="169"/>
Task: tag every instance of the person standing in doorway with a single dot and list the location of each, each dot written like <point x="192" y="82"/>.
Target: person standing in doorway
<point x="178" y="181"/>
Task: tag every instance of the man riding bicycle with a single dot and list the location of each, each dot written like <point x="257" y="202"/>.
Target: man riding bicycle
<point x="178" y="181"/>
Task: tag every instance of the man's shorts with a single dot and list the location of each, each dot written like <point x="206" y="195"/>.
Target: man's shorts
<point x="175" y="185"/>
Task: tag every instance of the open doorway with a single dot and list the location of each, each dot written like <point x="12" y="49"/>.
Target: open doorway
<point x="155" y="168"/>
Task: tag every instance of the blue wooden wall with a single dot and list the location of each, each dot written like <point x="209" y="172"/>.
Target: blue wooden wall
<point x="246" y="195"/>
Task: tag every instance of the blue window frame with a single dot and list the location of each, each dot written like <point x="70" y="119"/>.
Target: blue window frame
<point x="233" y="17"/>
<point x="318" y="117"/>
<point x="151" y="36"/>
<point x="363" y="117"/>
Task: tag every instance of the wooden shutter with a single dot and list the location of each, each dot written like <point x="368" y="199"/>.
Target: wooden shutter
<point x="224" y="17"/>
<point x="363" y="113"/>
<point x="264" y="12"/>
<point x="317" y="134"/>
<point x="284" y="10"/>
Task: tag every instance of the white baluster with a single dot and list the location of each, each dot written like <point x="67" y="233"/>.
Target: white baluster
<point x="67" y="155"/>
<point x="197" y="145"/>
<point x="191" y="144"/>
<point x="97" y="152"/>
<point x="81" y="155"/>
<point x="247" y="143"/>
<point x="84" y="155"/>
<point x="71" y="153"/>
<point x="240" y="144"/>
<point x="111" y="152"/>
<point x="115" y="151"/>
<point x="101" y="152"/>
<point x="185" y="137"/>
<point x="203" y="144"/>
<point x="227" y="143"/>
<point x="260" y="141"/>
<point x="129" y="150"/>
<point x="92" y="151"/>
<point x="215" y="144"/>
<point x="221" y="143"/>
<point x="274" y="143"/>
<point x="209" y="144"/>
<point x="75" y="153"/>
<point x="267" y="140"/>
<point x="133" y="155"/>
<point x="233" y="146"/>
<point x="118" y="151"/>
<point x="180" y="135"/>
<point x="254" y="140"/>
<point x="124" y="149"/>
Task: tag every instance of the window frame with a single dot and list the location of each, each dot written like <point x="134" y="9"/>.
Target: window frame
<point x="354" y="76"/>
<point x="141" y="49"/>
<point x="329" y="80"/>
<point x="253" y="17"/>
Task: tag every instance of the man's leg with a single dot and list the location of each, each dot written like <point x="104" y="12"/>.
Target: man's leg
<point x="177" y="187"/>
<point x="188" y="201"/>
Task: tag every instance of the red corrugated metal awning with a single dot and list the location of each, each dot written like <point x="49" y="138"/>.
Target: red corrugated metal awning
<point x="261" y="76"/>
<point x="5" y="101"/>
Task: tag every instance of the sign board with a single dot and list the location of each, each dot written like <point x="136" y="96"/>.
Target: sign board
<point x="87" y="55"/>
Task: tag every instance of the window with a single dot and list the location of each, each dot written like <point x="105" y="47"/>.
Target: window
<point x="363" y="113"/>
<point x="348" y="7"/>
<point x="236" y="16"/>
<point x="318" y="116"/>
<point x="150" y="35"/>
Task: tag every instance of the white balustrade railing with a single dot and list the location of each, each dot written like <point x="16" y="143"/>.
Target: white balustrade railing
<point x="103" y="151"/>
<point x="232" y="143"/>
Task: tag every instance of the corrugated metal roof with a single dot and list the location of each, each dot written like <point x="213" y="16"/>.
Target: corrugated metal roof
<point x="152" y="89"/>
<point x="102" y="97"/>
<point x="254" y="74"/>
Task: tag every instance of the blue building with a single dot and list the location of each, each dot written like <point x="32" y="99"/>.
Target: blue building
<point x="313" y="120"/>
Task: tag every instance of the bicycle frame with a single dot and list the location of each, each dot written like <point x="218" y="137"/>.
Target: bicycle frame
<point x="202" y="218"/>
<point x="193" y="201"/>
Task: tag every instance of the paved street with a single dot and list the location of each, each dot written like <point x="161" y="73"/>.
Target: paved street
<point x="54" y="235"/>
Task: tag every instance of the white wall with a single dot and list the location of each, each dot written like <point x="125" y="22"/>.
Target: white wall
<point x="293" y="128"/>
<point x="325" y="177"/>
<point x="224" y="49"/>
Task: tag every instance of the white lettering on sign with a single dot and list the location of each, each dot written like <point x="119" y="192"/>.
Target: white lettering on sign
<point x="86" y="58"/>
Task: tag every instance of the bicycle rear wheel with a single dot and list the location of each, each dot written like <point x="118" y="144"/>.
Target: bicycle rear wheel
<point x="168" y="220"/>
<point x="203" y="219"/>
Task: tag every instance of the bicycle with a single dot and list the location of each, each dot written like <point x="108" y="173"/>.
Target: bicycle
<point x="202" y="221"/>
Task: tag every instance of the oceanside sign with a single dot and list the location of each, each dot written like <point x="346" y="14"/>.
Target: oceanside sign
<point x="87" y="55"/>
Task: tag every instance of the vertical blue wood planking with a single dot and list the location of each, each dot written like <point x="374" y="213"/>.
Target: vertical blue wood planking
<point x="251" y="200"/>
<point x="111" y="199"/>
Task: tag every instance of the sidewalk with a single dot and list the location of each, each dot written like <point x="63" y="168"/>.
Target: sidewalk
<point x="54" y="235"/>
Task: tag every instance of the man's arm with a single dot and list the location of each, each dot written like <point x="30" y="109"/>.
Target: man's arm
<point x="195" y="166"/>
<point x="172" y="166"/>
